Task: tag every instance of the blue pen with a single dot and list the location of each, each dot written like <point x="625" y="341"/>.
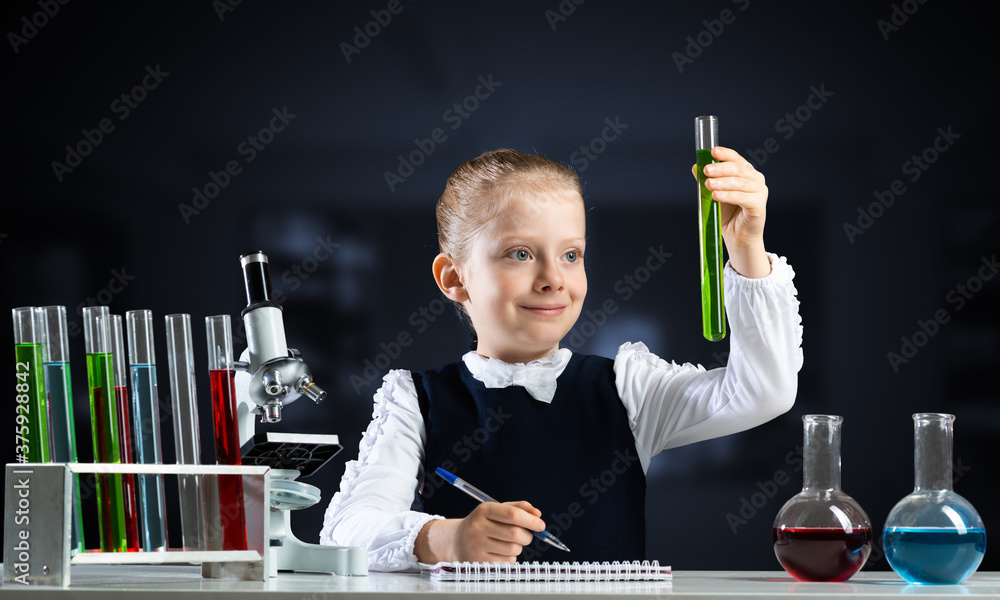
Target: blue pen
<point x="482" y="496"/>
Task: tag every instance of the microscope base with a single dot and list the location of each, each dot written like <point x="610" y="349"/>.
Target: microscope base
<point x="288" y="553"/>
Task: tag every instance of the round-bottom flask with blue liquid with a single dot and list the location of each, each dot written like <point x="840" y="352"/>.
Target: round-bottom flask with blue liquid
<point x="933" y="535"/>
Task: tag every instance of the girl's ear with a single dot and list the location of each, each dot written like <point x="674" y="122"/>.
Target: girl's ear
<point x="448" y="278"/>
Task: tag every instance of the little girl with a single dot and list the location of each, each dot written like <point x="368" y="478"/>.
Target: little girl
<point x="541" y="428"/>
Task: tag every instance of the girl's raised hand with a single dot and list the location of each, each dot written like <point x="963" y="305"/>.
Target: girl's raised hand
<point x="741" y="191"/>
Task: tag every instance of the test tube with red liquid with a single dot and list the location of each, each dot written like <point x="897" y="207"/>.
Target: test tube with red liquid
<point x="227" y="443"/>
<point x="125" y="437"/>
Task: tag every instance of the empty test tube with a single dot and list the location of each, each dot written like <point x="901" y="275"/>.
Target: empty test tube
<point x="713" y="312"/>
<point x="180" y="359"/>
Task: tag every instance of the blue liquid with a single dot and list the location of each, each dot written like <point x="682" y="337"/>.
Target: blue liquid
<point x="147" y="450"/>
<point x="61" y="431"/>
<point x="934" y="554"/>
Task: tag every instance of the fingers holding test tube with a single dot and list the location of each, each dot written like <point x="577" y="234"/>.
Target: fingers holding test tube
<point x="742" y="192"/>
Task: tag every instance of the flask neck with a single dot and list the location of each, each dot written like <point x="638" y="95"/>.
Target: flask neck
<point x="932" y="447"/>
<point x="821" y="452"/>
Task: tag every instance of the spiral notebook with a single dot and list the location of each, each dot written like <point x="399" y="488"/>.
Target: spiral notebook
<point x="547" y="571"/>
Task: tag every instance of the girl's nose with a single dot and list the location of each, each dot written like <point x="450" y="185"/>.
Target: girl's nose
<point x="550" y="277"/>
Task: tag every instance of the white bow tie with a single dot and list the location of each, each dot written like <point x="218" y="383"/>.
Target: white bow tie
<point x="538" y="377"/>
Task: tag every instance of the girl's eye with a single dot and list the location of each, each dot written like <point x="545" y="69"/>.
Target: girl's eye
<point x="571" y="256"/>
<point x="520" y="255"/>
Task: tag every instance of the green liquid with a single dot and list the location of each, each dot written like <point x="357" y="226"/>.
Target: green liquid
<point x="713" y="310"/>
<point x="31" y="383"/>
<point x="60" y="397"/>
<point x="104" y="421"/>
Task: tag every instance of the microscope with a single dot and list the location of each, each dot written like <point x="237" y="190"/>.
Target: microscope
<point x="277" y="377"/>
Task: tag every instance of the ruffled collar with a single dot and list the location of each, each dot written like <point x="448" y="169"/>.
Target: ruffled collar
<point x="538" y="377"/>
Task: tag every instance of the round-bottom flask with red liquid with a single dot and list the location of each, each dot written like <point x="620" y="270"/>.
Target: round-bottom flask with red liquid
<point x="821" y="533"/>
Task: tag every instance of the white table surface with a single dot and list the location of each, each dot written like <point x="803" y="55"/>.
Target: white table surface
<point x="179" y="582"/>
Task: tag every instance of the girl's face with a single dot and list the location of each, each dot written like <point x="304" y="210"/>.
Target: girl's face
<point x="524" y="276"/>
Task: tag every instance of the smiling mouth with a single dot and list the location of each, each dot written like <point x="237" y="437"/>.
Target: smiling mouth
<point x="546" y="310"/>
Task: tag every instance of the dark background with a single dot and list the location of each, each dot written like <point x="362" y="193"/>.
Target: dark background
<point x="889" y="95"/>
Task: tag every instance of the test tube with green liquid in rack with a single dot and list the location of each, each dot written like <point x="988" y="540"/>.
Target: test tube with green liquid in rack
<point x="59" y="392"/>
<point x="104" y="423"/>
<point x="713" y="310"/>
<point x="146" y="428"/>
<point x="32" y="419"/>
<point x="132" y="542"/>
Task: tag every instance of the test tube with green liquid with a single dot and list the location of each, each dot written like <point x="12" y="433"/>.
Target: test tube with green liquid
<point x="180" y="362"/>
<point x="59" y="389"/>
<point x="32" y="420"/>
<point x="713" y="310"/>
<point x="104" y="422"/>
<point x="146" y="428"/>
<point x="132" y="542"/>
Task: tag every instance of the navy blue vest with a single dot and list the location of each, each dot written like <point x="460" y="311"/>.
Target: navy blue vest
<point x="573" y="459"/>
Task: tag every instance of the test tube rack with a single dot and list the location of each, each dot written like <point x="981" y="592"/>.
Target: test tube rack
<point x="37" y="519"/>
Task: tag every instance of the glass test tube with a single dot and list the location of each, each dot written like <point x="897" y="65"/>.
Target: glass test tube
<point x="124" y="433"/>
<point x="227" y="442"/>
<point x="104" y="423"/>
<point x="59" y="390"/>
<point x="713" y="311"/>
<point x="33" y="441"/>
<point x="180" y="359"/>
<point x="147" y="448"/>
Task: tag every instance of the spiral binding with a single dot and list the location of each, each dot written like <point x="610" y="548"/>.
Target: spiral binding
<point x="549" y="571"/>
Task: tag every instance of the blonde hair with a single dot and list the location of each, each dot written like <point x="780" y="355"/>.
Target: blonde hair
<point x="482" y="188"/>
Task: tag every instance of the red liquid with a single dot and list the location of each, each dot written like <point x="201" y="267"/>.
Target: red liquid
<point x="104" y="481"/>
<point x="128" y="479"/>
<point x="227" y="452"/>
<point x="821" y="553"/>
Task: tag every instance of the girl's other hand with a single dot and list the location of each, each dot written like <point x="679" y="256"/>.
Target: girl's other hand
<point x="491" y="533"/>
<point x="497" y="532"/>
<point x="741" y="191"/>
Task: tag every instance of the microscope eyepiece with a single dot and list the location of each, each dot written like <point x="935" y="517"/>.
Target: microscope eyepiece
<point x="257" y="278"/>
